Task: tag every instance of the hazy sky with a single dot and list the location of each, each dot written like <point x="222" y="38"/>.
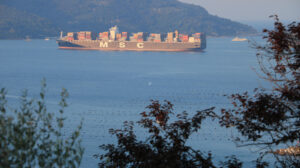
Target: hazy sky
<point x="251" y="10"/>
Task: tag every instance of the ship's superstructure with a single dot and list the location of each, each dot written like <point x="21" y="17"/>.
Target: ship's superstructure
<point x="141" y="41"/>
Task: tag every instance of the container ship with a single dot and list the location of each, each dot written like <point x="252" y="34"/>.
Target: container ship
<point x="115" y="40"/>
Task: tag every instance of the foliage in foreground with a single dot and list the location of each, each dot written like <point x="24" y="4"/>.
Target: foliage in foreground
<point x="164" y="147"/>
<point x="271" y="118"/>
<point x="30" y="136"/>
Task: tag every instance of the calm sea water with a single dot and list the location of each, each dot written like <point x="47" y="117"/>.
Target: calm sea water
<point x="107" y="88"/>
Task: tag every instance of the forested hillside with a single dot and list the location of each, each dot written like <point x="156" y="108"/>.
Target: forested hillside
<point x="41" y="18"/>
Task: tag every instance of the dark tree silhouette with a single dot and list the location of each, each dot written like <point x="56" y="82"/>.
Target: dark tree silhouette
<point x="271" y="118"/>
<point x="165" y="147"/>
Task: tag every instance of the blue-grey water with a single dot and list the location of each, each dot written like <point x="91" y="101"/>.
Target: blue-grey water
<point x="107" y="88"/>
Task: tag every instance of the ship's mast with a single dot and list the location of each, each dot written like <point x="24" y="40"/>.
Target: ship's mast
<point x="61" y="34"/>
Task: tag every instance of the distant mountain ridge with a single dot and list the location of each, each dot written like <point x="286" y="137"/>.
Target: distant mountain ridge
<point x="41" y="18"/>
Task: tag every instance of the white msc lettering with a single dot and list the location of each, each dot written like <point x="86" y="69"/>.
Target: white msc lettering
<point x="103" y="44"/>
<point x="140" y="45"/>
<point x="122" y="45"/>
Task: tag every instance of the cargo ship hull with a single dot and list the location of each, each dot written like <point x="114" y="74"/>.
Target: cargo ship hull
<point x="130" y="46"/>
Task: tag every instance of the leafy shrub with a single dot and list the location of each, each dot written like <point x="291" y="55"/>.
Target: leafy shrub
<point x="30" y="136"/>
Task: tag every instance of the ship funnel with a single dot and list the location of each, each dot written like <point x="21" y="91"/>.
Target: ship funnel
<point x="61" y="34"/>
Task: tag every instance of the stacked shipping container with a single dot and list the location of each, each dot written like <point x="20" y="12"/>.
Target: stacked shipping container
<point x="81" y="35"/>
<point x="170" y="37"/>
<point x="84" y="35"/>
<point x="118" y="36"/>
<point x="88" y="35"/>
<point x="103" y="36"/>
<point x="197" y="37"/>
<point x="70" y="36"/>
<point x="183" y="37"/>
<point x="136" y="37"/>
<point x="154" y="37"/>
<point x="124" y="36"/>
